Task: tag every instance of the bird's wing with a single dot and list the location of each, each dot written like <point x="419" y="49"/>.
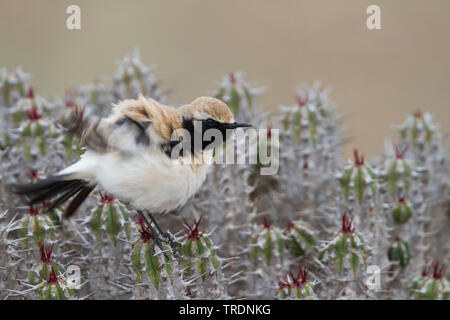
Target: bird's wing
<point x="134" y="125"/>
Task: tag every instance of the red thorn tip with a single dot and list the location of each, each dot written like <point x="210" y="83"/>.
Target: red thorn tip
<point x="33" y="114"/>
<point x="146" y="236"/>
<point x="232" y="78"/>
<point x="30" y="94"/>
<point x="418" y="114"/>
<point x="70" y="98"/>
<point x="302" y="101"/>
<point x="193" y="232"/>
<point x="269" y="131"/>
<point x="292" y="281"/>
<point x="359" y="160"/>
<point x="46" y="253"/>
<point x="33" y="211"/>
<point x="79" y="113"/>
<point x="347" y="225"/>
<point x="52" y="278"/>
<point x="33" y="175"/>
<point x="106" y="198"/>
<point x="439" y="273"/>
<point x="424" y="272"/>
<point x="266" y="224"/>
<point x="400" y="154"/>
<point x="290" y="225"/>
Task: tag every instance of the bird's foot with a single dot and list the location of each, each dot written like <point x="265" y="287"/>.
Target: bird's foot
<point x="158" y="239"/>
<point x="161" y="239"/>
<point x="169" y="238"/>
<point x="171" y="241"/>
<point x="165" y="240"/>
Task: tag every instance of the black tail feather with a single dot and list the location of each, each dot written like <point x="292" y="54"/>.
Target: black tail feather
<point x="50" y="192"/>
<point x="27" y="189"/>
<point x="58" y="187"/>
<point x="78" y="200"/>
<point x="75" y="187"/>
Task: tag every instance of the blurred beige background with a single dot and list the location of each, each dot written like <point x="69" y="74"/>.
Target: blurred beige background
<point x="377" y="76"/>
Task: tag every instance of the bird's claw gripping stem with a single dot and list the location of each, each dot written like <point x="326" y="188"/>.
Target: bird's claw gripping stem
<point x="159" y="235"/>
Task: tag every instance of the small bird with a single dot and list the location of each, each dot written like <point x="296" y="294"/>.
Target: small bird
<point x="131" y="155"/>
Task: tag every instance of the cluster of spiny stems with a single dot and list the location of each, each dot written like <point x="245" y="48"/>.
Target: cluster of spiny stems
<point x="317" y="229"/>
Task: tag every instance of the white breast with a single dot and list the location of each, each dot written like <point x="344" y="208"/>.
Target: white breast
<point x="150" y="181"/>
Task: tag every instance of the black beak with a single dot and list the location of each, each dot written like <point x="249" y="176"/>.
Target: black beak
<point x="237" y="125"/>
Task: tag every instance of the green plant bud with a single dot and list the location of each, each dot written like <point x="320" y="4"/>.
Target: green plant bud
<point x="430" y="285"/>
<point x="418" y="127"/>
<point x="54" y="287"/>
<point x="346" y="246"/>
<point x="296" y="287"/>
<point x="147" y="258"/>
<point x="299" y="238"/>
<point x="402" y="212"/>
<point x="110" y="216"/>
<point x="237" y="94"/>
<point x="199" y="253"/>
<point x="269" y="241"/>
<point x="13" y="85"/>
<point x="358" y="176"/>
<point x="41" y="271"/>
<point x="133" y="78"/>
<point x="37" y="226"/>
<point x="399" y="252"/>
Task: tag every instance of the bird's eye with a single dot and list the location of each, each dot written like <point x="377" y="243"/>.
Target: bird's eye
<point x="210" y="122"/>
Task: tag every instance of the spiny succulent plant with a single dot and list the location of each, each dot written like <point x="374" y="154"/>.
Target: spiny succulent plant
<point x="267" y="240"/>
<point x="417" y="129"/>
<point x="263" y="184"/>
<point x="111" y="216"/>
<point x="10" y="254"/>
<point x="54" y="287"/>
<point x="319" y="98"/>
<point x="132" y="78"/>
<point x="40" y="271"/>
<point x="312" y="117"/>
<point x="399" y="173"/>
<point x="300" y="237"/>
<point x="156" y="261"/>
<point x="36" y="134"/>
<point x="14" y="84"/>
<point x="346" y="245"/>
<point x="422" y="135"/>
<point x="199" y="252"/>
<point x="402" y="211"/>
<point x="238" y="95"/>
<point x="399" y="252"/>
<point x="71" y="143"/>
<point x="412" y="191"/>
<point x="95" y="98"/>
<point x="29" y="107"/>
<point x="37" y="225"/>
<point x="430" y="285"/>
<point x="296" y="287"/>
<point x="358" y="177"/>
<point x="301" y="120"/>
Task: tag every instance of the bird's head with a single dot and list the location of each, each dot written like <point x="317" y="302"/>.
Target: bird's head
<point x="210" y="113"/>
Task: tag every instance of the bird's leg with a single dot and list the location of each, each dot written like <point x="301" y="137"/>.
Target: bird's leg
<point x="167" y="235"/>
<point x="156" y="235"/>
